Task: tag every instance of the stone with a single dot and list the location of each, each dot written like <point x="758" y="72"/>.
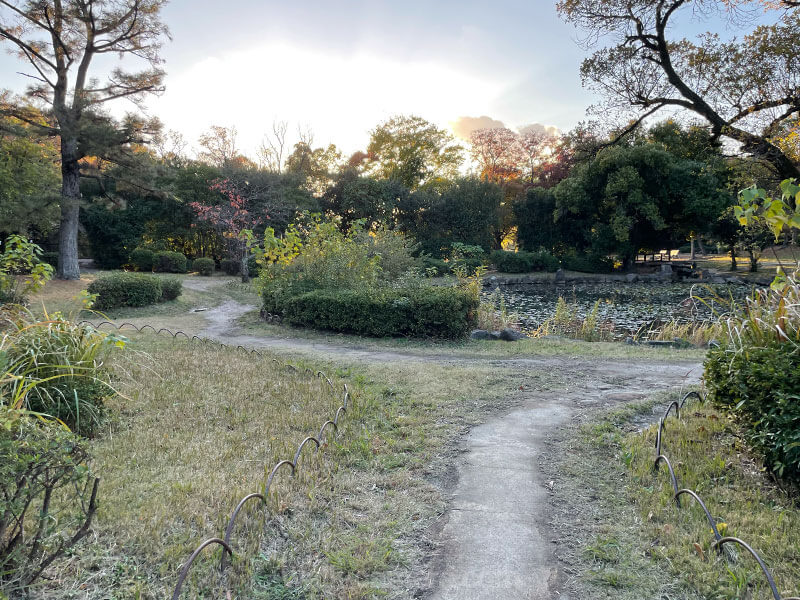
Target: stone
<point x="560" y="275"/>
<point x="511" y="335"/>
<point x="631" y="278"/>
<point x="480" y="334"/>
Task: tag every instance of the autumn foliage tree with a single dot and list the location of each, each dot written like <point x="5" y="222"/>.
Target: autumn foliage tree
<point x="59" y="40"/>
<point x="498" y="154"/>
<point x="232" y="217"/>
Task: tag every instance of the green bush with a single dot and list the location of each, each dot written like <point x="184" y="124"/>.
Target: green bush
<point x="524" y="262"/>
<point x="170" y="262"/>
<point x="589" y="263"/>
<point x="231" y="267"/>
<point x="426" y="311"/>
<point x="204" y="266"/>
<point x="43" y="466"/>
<point x="125" y="289"/>
<point x="762" y="386"/>
<point x="142" y="259"/>
<point x="253" y="268"/>
<point x="171" y="288"/>
<point x="429" y="262"/>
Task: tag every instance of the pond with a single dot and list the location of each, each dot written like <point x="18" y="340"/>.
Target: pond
<point x="625" y="306"/>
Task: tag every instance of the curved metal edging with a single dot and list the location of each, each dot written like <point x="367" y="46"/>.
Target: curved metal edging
<point x="662" y="458"/>
<point x="232" y="521"/>
<point x="690" y="395"/>
<point x="143" y="327"/>
<point x="185" y="570"/>
<point x="310" y="438"/>
<point x="677" y="410"/>
<point x="346" y="397"/>
<point x="720" y="542"/>
<point x="322" y="429"/>
<point x="274" y="471"/>
<point x="659" y="435"/>
<point x="711" y="520"/>
<point x="341" y="410"/>
<point x="121" y="327"/>
<point x="179" y="332"/>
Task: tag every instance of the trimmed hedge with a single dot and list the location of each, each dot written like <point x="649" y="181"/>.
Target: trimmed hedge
<point x="125" y="289"/>
<point x="762" y="386"/>
<point x="231" y="267"/>
<point x="204" y="266"/>
<point x="524" y="262"/>
<point x="170" y="262"/>
<point x="424" y="312"/>
<point x="171" y="288"/>
<point x="133" y="289"/>
<point x="142" y="259"/>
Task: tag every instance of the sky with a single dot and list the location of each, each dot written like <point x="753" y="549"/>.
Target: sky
<point x="340" y="68"/>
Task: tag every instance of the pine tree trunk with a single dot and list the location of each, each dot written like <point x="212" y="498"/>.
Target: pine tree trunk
<point x="70" y="211"/>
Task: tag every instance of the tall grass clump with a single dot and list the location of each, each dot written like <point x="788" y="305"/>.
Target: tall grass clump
<point x="756" y="372"/>
<point x="53" y="382"/>
<point x="566" y="321"/>
<point x="493" y="313"/>
<point x="56" y="368"/>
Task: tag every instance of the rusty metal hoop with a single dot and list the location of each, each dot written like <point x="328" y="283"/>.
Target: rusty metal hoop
<point x="272" y="475"/>
<point x="185" y="570"/>
<point x="661" y="458"/>
<point x="232" y="521"/>
<point x="711" y="520"/>
<point x="721" y="541"/>
<point x="310" y="438"/>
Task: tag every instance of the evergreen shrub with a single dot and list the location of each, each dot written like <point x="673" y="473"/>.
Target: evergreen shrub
<point x="204" y="266"/>
<point x="425" y="311"/>
<point x="170" y="262"/>
<point x="142" y="259"/>
<point x="125" y="289"/>
<point x="231" y="267"/>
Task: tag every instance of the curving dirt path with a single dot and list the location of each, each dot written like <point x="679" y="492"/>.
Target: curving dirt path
<point x="494" y="541"/>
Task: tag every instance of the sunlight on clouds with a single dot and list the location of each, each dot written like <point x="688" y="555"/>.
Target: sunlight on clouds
<point x="340" y="97"/>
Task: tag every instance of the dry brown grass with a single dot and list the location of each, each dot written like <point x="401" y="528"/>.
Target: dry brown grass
<point x="197" y="427"/>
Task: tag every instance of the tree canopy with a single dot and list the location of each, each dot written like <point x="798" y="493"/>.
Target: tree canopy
<point x="59" y="41"/>
<point x="746" y="88"/>
<point x="413" y="151"/>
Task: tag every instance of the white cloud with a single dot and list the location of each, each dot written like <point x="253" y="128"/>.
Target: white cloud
<point x="340" y="97"/>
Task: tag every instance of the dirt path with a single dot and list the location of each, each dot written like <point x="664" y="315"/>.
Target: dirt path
<point x="494" y="541"/>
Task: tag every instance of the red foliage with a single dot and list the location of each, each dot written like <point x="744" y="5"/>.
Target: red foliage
<point x="232" y="216"/>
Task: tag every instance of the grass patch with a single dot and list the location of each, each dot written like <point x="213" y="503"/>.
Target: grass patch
<point x="195" y="431"/>
<point x="631" y="541"/>
<point x="710" y="458"/>
<point x="200" y="423"/>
